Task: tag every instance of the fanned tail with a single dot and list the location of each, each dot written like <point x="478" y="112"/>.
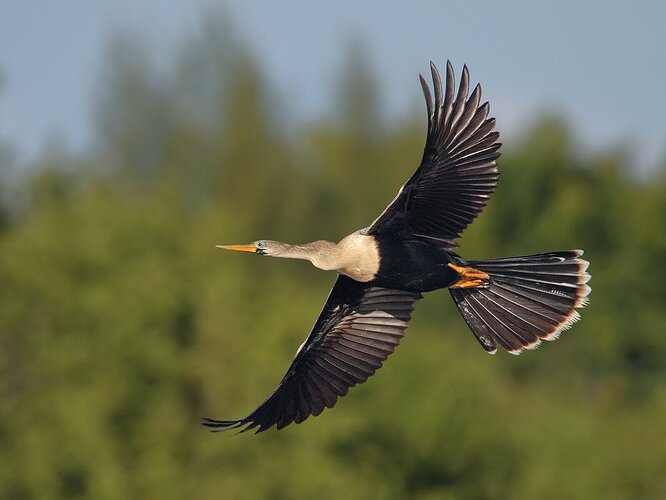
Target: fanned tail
<point x="528" y="299"/>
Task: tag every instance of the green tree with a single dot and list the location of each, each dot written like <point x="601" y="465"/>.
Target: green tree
<point x="120" y="325"/>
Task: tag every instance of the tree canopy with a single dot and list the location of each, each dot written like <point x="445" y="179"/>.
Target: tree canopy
<point x="121" y="325"/>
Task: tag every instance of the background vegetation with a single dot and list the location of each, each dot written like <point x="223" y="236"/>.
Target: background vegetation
<point x="121" y="325"/>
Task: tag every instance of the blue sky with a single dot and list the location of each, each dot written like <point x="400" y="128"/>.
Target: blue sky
<point x="600" y="64"/>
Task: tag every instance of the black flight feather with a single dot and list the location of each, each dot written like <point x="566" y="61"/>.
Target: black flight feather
<point x="458" y="172"/>
<point x="359" y="326"/>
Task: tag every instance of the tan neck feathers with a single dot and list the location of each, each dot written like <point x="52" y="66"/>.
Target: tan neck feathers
<point x="355" y="256"/>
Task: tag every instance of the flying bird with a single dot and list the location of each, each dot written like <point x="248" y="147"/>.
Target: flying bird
<point x="383" y="269"/>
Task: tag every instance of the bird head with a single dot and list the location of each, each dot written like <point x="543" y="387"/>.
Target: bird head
<point x="260" y="247"/>
<point x="307" y="251"/>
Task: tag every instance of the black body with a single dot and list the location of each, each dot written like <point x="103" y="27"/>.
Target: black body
<point x="413" y="265"/>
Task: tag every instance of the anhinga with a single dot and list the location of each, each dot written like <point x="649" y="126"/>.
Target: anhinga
<point x="513" y="302"/>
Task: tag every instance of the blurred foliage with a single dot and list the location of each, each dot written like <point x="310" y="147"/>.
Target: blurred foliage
<point x="121" y="325"/>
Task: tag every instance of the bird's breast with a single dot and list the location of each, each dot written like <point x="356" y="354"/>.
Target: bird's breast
<point x="358" y="257"/>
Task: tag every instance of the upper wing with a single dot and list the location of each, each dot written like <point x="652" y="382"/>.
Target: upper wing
<point x="357" y="329"/>
<point x="457" y="174"/>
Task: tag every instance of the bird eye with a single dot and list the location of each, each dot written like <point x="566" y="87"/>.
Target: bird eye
<point x="260" y="245"/>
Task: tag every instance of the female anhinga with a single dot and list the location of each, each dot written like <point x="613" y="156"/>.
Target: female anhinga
<point x="513" y="302"/>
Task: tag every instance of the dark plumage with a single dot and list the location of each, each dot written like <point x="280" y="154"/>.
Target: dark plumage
<point x="358" y="328"/>
<point x="512" y="302"/>
<point x="458" y="172"/>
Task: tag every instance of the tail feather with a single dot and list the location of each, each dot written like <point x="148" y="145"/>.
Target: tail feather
<point x="528" y="299"/>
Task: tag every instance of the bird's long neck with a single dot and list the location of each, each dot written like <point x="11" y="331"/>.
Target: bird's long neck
<point x="356" y="256"/>
<point x="323" y="254"/>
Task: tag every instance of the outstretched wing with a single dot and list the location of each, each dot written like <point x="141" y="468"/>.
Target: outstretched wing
<point x="458" y="172"/>
<point x="358" y="328"/>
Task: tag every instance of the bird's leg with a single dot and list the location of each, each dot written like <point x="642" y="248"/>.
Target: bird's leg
<point x="469" y="277"/>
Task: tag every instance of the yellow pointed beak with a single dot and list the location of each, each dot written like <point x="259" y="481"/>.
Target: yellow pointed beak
<point x="238" y="248"/>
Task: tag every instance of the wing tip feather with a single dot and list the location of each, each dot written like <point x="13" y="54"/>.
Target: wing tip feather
<point x="222" y="425"/>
